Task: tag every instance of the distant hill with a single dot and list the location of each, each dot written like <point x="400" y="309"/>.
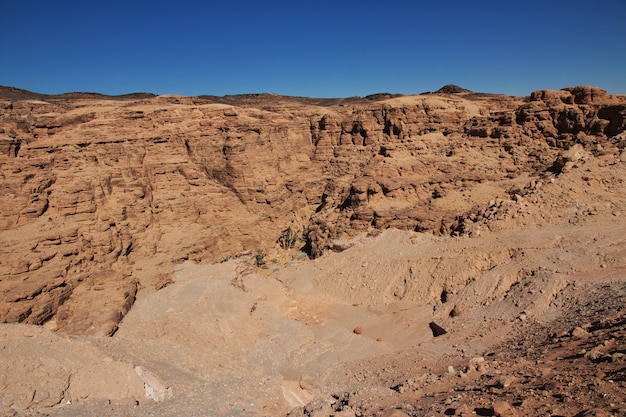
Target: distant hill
<point x="452" y="89"/>
<point x="13" y="93"/>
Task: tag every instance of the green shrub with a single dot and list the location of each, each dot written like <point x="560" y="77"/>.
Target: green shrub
<point x="260" y="258"/>
<point x="288" y="238"/>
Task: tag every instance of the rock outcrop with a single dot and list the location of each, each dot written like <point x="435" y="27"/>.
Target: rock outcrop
<point x="101" y="195"/>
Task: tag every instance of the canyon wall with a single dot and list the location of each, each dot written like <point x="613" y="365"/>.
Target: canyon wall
<point x="101" y="196"/>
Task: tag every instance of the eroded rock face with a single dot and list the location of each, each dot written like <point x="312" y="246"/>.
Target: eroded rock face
<point x="101" y="195"/>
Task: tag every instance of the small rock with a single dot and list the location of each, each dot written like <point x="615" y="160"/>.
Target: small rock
<point x="436" y="329"/>
<point x="400" y="388"/>
<point x="594" y="354"/>
<point x="464" y="410"/>
<point x="506" y="381"/>
<point x="502" y="408"/>
<point x="154" y="388"/>
<point x="451" y="369"/>
<point x="579" y="332"/>
<point x="357" y="330"/>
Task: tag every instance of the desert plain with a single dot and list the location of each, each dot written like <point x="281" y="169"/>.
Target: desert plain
<point x="447" y="253"/>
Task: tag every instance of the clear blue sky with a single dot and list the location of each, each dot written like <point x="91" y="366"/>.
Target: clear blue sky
<point x="311" y="48"/>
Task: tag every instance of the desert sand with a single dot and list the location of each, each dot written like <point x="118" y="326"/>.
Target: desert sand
<point x="449" y="253"/>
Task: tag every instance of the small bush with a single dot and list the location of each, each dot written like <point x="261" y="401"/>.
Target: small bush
<point x="260" y="258"/>
<point x="288" y="238"/>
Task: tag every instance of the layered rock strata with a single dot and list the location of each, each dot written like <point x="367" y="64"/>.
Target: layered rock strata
<point x="102" y="195"/>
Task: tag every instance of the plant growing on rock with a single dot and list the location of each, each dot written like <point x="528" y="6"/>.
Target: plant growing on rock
<point x="288" y="238"/>
<point x="260" y="258"/>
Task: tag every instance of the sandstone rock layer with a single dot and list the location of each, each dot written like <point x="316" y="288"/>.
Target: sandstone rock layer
<point x="101" y="196"/>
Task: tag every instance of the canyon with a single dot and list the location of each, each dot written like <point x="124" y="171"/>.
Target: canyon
<point x="263" y="255"/>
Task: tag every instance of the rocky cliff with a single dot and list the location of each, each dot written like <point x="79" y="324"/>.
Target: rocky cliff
<point x="101" y="196"/>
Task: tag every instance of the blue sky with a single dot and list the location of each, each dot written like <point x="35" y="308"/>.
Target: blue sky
<point x="311" y="48"/>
